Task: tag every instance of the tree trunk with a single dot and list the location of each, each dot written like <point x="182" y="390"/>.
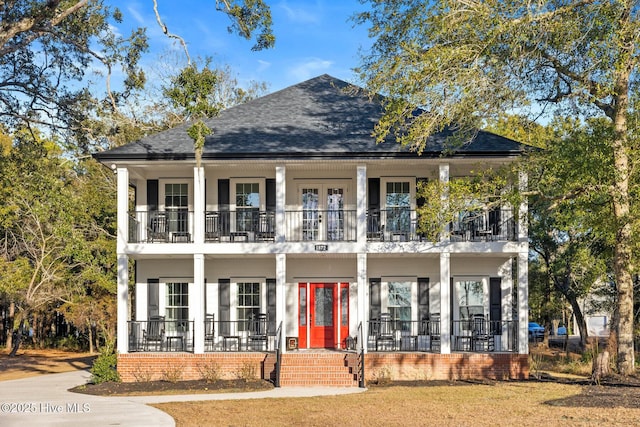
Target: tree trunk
<point x="622" y="248"/>
<point x="16" y="338"/>
<point x="12" y="312"/>
<point x="579" y="319"/>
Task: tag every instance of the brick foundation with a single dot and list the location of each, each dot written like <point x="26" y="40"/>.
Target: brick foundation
<point x="427" y="366"/>
<point x="393" y="366"/>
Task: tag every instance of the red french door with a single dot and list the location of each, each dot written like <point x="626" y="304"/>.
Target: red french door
<point x="323" y="314"/>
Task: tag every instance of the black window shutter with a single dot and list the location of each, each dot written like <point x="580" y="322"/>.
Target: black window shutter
<point x="373" y="194"/>
<point x="423" y="298"/>
<point x="495" y="304"/>
<point x="271" y="306"/>
<point x="224" y="305"/>
<point x="153" y="298"/>
<point x="374" y="299"/>
<point x="420" y="201"/>
<point x="270" y="195"/>
<point x="223" y="206"/>
<point x="152" y="195"/>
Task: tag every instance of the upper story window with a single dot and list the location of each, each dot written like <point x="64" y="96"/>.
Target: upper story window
<point x="247" y="206"/>
<point x="176" y="203"/>
<point x="398" y="206"/>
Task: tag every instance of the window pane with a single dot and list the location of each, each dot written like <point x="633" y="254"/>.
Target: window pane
<point x="248" y="302"/>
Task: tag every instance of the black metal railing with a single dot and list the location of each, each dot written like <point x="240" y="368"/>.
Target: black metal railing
<point x="258" y="334"/>
<point x="243" y="225"/>
<point x="477" y="335"/>
<point x="276" y="382"/>
<point x="484" y="225"/>
<point x="403" y="335"/>
<point x="480" y="335"/>
<point x="321" y="225"/>
<point x="361" y="354"/>
<point x="168" y="226"/>
<point x="158" y="334"/>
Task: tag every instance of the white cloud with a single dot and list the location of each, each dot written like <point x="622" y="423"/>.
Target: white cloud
<point x="300" y="15"/>
<point x="263" y="65"/>
<point x="310" y="68"/>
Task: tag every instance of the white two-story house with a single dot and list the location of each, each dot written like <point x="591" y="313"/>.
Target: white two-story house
<point x="295" y="243"/>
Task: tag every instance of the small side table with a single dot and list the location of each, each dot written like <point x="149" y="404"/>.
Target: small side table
<point x="229" y="339"/>
<point x="178" y="340"/>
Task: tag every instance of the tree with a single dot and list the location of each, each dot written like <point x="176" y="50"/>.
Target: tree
<point x="464" y="62"/>
<point x="46" y="48"/>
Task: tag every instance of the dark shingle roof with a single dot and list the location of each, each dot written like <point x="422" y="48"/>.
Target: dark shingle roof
<point x="312" y="119"/>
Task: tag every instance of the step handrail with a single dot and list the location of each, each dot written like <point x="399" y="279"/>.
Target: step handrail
<point x="360" y="353"/>
<point x="278" y="354"/>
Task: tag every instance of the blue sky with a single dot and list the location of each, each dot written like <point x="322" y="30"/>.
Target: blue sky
<point x="312" y="38"/>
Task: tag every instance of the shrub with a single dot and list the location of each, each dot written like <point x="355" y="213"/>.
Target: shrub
<point x="104" y="367"/>
<point x="247" y="372"/>
<point x="172" y="373"/>
<point x="209" y="371"/>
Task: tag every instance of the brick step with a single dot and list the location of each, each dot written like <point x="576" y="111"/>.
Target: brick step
<point x="318" y="369"/>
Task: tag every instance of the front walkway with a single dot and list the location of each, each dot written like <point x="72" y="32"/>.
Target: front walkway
<point x="44" y="401"/>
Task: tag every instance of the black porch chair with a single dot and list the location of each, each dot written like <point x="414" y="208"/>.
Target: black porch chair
<point x="209" y="331"/>
<point x="385" y="331"/>
<point x="433" y="331"/>
<point x="257" y="331"/>
<point x="482" y="338"/>
<point x="153" y="335"/>
<point x="158" y="230"/>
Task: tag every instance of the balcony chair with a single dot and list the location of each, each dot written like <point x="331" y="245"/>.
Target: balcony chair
<point x="434" y="332"/>
<point x="209" y="331"/>
<point x="257" y="331"/>
<point x="266" y="226"/>
<point x="384" y="332"/>
<point x="154" y="334"/>
<point x="482" y="338"/>
<point x="211" y="226"/>
<point x="158" y="230"/>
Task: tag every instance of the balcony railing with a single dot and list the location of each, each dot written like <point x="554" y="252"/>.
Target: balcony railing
<point x="243" y="225"/>
<point x="401" y="225"/>
<point x="321" y="225"/>
<point x="477" y="335"/>
<point x="160" y="335"/>
<point x="249" y="225"/>
<point x="169" y="226"/>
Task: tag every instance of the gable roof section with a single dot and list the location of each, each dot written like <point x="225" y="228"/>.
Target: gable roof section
<point x="314" y="119"/>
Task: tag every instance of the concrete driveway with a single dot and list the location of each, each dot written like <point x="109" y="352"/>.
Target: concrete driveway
<point x="44" y="401"/>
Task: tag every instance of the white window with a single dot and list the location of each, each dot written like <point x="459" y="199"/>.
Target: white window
<point x="249" y="297"/>
<point x="177" y="305"/>
<point x="399" y="302"/>
<point x="247" y="206"/>
<point x="471" y="299"/>
<point x="398" y="206"/>
<point x="176" y="203"/>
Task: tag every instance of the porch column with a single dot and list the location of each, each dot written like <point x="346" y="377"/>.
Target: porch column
<point x="123" y="303"/>
<point x="198" y="205"/>
<point x="361" y="206"/>
<point x="363" y="300"/>
<point x="523" y="303"/>
<point x="281" y="300"/>
<point x="280" y="203"/>
<point x="123" y="260"/>
<point x="444" y="178"/>
<point x="445" y="303"/>
<point x="196" y="303"/>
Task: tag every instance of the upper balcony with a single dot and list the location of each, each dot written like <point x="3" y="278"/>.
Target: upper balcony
<point x="249" y="225"/>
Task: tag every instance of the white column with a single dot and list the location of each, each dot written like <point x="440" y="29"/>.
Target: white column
<point x="123" y="303"/>
<point x="444" y="179"/>
<point x="281" y="300"/>
<point x="361" y="206"/>
<point x="123" y="260"/>
<point x="196" y="303"/>
<point x="445" y="304"/>
<point x="363" y="300"/>
<point x="123" y="208"/>
<point x="523" y="303"/>
<point x="281" y="201"/>
<point x="523" y="228"/>
<point x="198" y="205"/>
